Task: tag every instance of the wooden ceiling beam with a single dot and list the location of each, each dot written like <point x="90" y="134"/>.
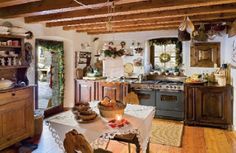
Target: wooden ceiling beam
<point x="131" y="29"/>
<point x="197" y="22"/>
<point x="45" y="7"/>
<point x="153" y="15"/>
<point x="147" y="21"/>
<point x="124" y="31"/>
<point x="6" y="3"/>
<point x="127" y="9"/>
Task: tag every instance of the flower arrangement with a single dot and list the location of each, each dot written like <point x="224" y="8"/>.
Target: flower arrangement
<point x="111" y="51"/>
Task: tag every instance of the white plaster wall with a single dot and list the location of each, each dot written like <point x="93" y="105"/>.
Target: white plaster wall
<point x="143" y="37"/>
<point x="226" y="49"/>
<point x="72" y="41"/>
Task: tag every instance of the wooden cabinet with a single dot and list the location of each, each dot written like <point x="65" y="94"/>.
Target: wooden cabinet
<point x="205" y="54"/>
<point x="208" y="105"/>
<point x="85" y="91"/>
<point x="114" y="90"/>
<point x="13" y="63"/>
<point x="16" y="116"/>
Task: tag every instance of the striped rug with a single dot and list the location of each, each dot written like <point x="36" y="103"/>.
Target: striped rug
<point x="167" y="133"/>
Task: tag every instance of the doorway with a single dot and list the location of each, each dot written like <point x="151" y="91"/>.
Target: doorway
<point x="49" y="76"/>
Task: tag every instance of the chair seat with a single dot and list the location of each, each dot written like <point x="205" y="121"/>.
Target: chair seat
<point x="125" y="137"/>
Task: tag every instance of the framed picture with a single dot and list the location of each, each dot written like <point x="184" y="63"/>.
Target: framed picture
<point x="205" y="54"/>
<point x="233" y="57"/>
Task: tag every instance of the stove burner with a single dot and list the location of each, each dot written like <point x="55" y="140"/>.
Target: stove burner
<point x="160" y="85"/>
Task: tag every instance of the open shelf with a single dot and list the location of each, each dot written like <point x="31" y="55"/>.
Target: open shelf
<point x="11" y="36"/>
<point x="14" y="67"/>
<point x="10" y="46"/>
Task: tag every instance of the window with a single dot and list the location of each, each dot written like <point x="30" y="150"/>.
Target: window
<point x="166" y="53"/>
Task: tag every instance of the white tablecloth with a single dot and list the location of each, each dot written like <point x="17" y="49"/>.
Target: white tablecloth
<point x="140" y="118"/>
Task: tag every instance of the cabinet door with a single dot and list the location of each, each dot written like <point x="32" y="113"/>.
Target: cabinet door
<point x="84" y="91"/>
<point x="212" y="105"/>
<point x="125" y="88"/>
<point x="110" y="89"/>
<point x="16" y="121"/>
<point x="189" y="104"/>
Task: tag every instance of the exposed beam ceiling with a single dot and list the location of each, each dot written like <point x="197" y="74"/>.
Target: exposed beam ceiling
<point x="229" y="8"/>
<point x="127" y="9"/>
<point x="153" y="21"/>
<point x="46" y="7"/>
<point x="92" y="16"/>
<point x="6" y="3"/>
<point x="146" y="25"/>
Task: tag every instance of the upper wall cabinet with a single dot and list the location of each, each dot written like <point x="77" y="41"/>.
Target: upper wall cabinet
<point x="205" y="54"/>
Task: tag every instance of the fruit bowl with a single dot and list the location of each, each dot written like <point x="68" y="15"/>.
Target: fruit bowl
<point x="111" y="111"/>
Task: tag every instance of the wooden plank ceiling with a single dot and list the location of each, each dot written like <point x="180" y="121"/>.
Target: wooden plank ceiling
<point x="128" y="15"/>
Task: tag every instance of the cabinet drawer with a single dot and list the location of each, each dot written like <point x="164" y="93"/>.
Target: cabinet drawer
<point x="15" y="95"/>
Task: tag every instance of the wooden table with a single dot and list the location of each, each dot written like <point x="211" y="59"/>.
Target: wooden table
<point x="140" y="118"/>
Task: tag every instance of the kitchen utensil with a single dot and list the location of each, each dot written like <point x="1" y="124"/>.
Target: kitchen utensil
<point x="183" y="35"/>
<point x="129" y="68"/>
<point x="5" y="84"/>
<point x="183" y="25"/>
<point x="232" y="30"/>
<point x="190" y="27"/>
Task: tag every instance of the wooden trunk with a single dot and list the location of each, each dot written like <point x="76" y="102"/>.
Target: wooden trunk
<point x="16" y="116"/>
<point x="208" y="105"/>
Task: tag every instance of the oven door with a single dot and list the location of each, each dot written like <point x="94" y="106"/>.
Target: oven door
<point x="146" y="97"/>
<point x="170" y="104"/>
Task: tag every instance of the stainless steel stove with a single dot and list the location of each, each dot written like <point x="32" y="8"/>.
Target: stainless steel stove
<point x="159" y="85"/>
<point x="166" y="95"/>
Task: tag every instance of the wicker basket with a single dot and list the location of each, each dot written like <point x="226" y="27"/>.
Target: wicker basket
<point x="111" y="112"/>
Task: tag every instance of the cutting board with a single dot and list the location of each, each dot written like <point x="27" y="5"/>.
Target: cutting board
<point x="94" y="78"/>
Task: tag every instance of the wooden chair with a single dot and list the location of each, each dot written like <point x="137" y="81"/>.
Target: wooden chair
<point x="131" y="98"/>
<point x="75" y="141"/>
<point x="111" y="90"/>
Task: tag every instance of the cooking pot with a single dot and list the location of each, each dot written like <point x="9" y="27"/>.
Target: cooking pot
<point x="5" y="84"/>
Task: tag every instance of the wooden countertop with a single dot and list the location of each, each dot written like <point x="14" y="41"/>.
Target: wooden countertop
<point x="205" y="85"/>
<point x="16" y="88"/>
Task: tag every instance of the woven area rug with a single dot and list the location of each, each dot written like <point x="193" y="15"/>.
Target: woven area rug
<point x="167" y="133"/>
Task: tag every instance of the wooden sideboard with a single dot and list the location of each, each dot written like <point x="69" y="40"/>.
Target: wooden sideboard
<point x="16" y="115"/>
<point x="87" y="90"/>
<point x="209" y="105"/>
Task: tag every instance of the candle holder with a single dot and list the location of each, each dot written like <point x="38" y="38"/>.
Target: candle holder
<point x="118" y="122"/>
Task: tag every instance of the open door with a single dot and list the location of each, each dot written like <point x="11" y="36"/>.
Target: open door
<point x="49" y="70"/>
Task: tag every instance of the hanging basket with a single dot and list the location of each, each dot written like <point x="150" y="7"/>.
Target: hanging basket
<point x="183" y="35"/>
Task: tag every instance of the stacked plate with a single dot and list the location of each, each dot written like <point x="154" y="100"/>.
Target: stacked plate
<point x="83" y="113"/>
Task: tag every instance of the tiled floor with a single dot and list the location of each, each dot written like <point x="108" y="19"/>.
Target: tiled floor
<point x="45" y="93"/>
